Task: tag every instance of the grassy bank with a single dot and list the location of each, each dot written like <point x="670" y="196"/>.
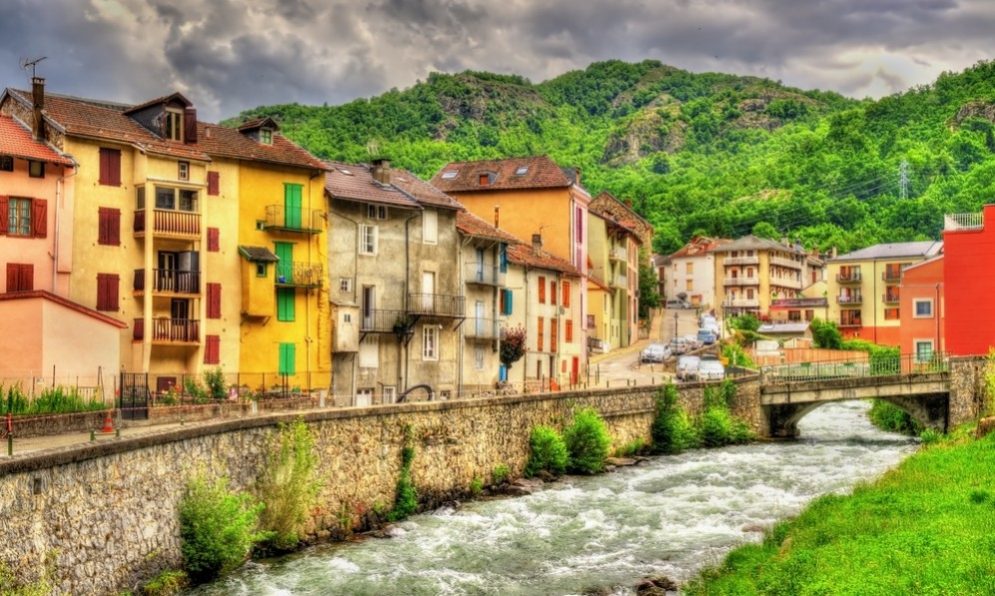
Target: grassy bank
<point x="926" y="527"/>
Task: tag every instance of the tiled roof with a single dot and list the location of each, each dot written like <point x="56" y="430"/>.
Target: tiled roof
<point x="355" y="182"/>
<point x="524" y="254"/>
<point x="471" y="225"/>
<point x="895" y="250"/>
<point x="46" y="295"/>
<point x="16" y="140"/>
<point x="109" y="121"/>
<point x="698" y="246"/>
<point x="422" y="191"/>
<point x="537" y="172"/>
<point x="751" y="242"/>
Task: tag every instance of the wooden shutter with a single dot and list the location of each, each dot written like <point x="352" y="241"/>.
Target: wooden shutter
<point x="213" y="240"/>
<point x="190" y="126"/>
<point x="213" y="301"/>
<point x="552" y="292"/>
<point x="542" y="289"/>
<point x="213" y="183"/>
<point x="110" y="167"/>
<point x="568" y="331"/>
<point x="114" y="226"/>
<point x="554" y="331"/>
<point x="4" y="215"/>
<point x="212" y="350"/>
<point x="13" y="275"/>
<point x="39" y="218"/>
<point x="539" y="335"/>
<point x="107" y="291"/>
<point x="565" y="298"/>
<point x="27" y="281"/>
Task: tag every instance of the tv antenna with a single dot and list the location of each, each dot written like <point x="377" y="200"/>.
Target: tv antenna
<point x="26" y="64"/>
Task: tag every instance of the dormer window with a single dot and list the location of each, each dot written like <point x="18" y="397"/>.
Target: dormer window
<point x="522" y="170"/>
<point x="184" y="170"/>
<point x="266" y="136"/>
<point x="484" y="179"/>
<point x="173" y="125"/>
<point x="449" y="174"/>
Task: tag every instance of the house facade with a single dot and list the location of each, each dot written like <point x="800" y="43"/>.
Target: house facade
<point x="690" y="272"/>
<point x="968" y="251"/>
<point x="921" y="332"/>
<point x="752" y="272"/>
<point x="864" y="291"/>
<point x="397" y="288"/>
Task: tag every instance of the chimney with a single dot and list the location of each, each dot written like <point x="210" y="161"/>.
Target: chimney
<point x="38" y="100"/>
<point x="381" y="170"/>
<point x="497" y="216"/>
<point x="536" y="243"/>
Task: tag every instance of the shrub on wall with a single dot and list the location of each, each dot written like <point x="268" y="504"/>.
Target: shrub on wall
<point x="587" y="441"/>
<point x="892" y="418"/>
<point x="547" y="452"/>
<point x="673" y="430"/>
<point x="406" y="499"/>
<point x="218" y="528"/>
<point x="288" y="485"/>
<point x="717" y="426"/>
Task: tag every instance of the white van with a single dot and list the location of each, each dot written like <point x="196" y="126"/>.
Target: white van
<point x="687" y="368"/>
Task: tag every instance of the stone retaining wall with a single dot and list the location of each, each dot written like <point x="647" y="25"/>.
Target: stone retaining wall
<point x="105" y="514"/>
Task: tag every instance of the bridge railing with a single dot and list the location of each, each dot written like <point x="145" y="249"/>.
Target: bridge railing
<point x="878" y="365"/>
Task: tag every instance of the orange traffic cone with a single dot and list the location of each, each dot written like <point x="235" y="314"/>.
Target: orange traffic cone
<point x="108" y="423"/>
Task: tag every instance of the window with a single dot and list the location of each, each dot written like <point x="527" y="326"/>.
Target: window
<point x="689" y="268"/>
<point x="539" y="334"/>
<point x="266" y="136"/>
<point x="923" y="308"/>
<point x="542" y="289"/>
<point x="285" y="304"/>
<point x="430" y="343"/>
<point x="503" y="258"/>
<point x="261" y="269"/>
<point x="552" y="292"/>
<point x="506" y="301"/>
<point x="107" y="291"/>
<point x="568" y="331"/>
<point x="20" y="277"/>
<point x="165" y="198"/>
<point x="18" y="217"/>
<point x="172" y="127"/>
<point x="690" y="285"/>
<point x="478" y="357"/>
<point x="110" y="167"/>
<point x="288" y="359"/>
<point x="140" y="198"/>
<point x="345" y="284"/>
<point x="449" y="174"/>
<point x="213" y="301"/>
<point x="521" y="170"/>
<point x="566" y="294"/>
<point x="891" y="314"/>
<point x="749" y="293"/>
<point x="109" y="226"/>
<point x="188" y="200"/>
<point x="369" y="352"/>
<point x="212" y="349"/>
<point x="183" y="170"/>
<point x="389" y="394"/>
<point x="430" y="227"/>
<point x="376" y="211"/>
<point x="36" y="169"/>
<point x="484" y="179"/>
<point x="213" y="183"/>
<point x="6" y="163"/>
<point x="367" y="239"/>
<point x="924" y="350"/>
<point x="347" y="317"/>
<point x="213" y="240"/>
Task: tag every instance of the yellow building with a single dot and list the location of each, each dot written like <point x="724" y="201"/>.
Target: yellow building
<point x="614" y="237"/>
<point x="751" y="272"/>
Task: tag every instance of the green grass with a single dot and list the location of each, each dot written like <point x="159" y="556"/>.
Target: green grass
<point x="54" y="400"/>
<point x="927" y="527"/>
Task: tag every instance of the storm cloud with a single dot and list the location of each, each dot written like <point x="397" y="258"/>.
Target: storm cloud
<point x="228" y="55"/>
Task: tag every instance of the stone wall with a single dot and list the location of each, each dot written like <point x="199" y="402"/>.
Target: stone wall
<point x="967" y="390"/>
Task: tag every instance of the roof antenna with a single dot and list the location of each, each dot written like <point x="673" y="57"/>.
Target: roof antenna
<point x="26" y="63"/>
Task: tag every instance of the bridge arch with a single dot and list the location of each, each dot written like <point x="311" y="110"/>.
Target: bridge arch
<point x="930" y="411"/>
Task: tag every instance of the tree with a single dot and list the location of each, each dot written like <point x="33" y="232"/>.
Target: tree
<point x="765" y="229"/>
<point x="825" y="334"/>
<point x="512" y="346"/>
<point x="649" y="293"/>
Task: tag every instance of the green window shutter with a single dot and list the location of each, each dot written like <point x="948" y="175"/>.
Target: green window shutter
<point x="285" y="268"/>
<point x="292" y="205"/>
<point x="288" y="359"/>
<point x="508" y="308"/>
<point x="285" y="310"/>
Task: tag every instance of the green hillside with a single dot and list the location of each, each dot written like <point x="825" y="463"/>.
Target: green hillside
<point x="713" y="153"/>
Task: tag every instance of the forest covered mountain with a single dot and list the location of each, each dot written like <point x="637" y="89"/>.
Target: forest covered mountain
<point x="697" y="153"/>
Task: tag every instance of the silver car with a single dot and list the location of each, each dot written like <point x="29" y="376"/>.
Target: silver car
<point x="687" y="368"/>
<point x="655" y="353"/>
<point x="711" y="370"/>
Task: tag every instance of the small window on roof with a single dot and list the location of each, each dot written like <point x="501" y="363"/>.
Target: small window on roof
<point x="345" y="171"/>
<point x="266" y="136"/>
<point x="449" y="174"/>
<point x="522" y="170"/>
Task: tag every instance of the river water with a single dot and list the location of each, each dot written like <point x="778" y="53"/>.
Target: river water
<point x="671" y="515"/>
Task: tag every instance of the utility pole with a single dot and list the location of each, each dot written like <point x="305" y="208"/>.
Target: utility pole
<point x="903" y="180"/>
<point x="675" y="325"/>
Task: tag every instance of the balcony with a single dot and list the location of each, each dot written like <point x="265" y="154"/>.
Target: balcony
<point x="620" y="282"/>
<point x="853" y="300"/>
<point x="384" y="321"/>
<point x="169" y="331"/>
<point x="963" y="221"/>
<point x="483" y="329"/>
<point x="742" y="303"/>
<point x="786" y="262"/>
<point x="741" y="261"/>
<point x="169" y="223"/>
<point x="618" y="253"/>
<point x="791" y="283"/>
<point x="852" y="277"/>
<point x="850" y="324"/>
<point x="299" y="275"/>
<point x="168" y="282"/>
<point x="891" y="298"/>
<point x="280" y="219"/>
<point x="892" y="275"/>
<point x="485" y="275"/>
<point x="436" y="305"/>
<point x="741" y="281"/>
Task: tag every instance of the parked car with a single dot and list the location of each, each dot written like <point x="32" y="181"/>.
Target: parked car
<point x="655" y="353"/>
<point x="709" y="322"/>
<point x="693" y="341"/>
<point x="680" y="345"/>
<point x="687" y="368"/>
<point x="707" y="336"/>
<point x="711" y="370"/>
<point x="678" y="304"/>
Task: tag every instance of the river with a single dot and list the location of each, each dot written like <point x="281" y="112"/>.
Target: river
<point x="671" y="515"/>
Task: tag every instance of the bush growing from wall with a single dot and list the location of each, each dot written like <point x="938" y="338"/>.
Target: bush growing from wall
<point x="167" y="583"/>
<point x="214" y="380"/>
<point x="717" y="426"/>
<point x="500" y="474"/>
<point x="673" y="430"/>
<point x="825" y="334"/>
<point x="218" y="528"/>
<point x="547" y="452"/>
<point x="406" y="497"/>
<point x="892" y="418"/>
<point x="288" y="485"/>
<point x="588" y="442"/>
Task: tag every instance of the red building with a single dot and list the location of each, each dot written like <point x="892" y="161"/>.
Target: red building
<point x="969" y="255"/>
<point x="921" y="330"/>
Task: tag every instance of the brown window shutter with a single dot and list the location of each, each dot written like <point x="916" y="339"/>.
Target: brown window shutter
<point x="101" y="292"/>
<point x="212" y="353"/>
<point x="114" y="226"/>
<point x="101" y="225"/>
<point x="110" y="167"/>
<point x="542" y="289"/>
<point x="4" y="215"/>
<point x="213" y="301"/>
<point x="213" y="183"/>
<point x="39" y="217"/>
<point x="13" y="273"/>
<point x="565" y="298"/>
<point x="27" y="277"/>
<point x="112" y="292"/>
<point x="105" y="162"/>
<point x="190" y="126"/>
<point x="213" y="240"/>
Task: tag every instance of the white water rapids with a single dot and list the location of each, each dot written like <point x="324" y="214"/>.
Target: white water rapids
<point x="671" y="515"/>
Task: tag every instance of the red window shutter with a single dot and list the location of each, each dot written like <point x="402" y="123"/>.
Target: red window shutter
<point x="27" y="282"/>
<point x="213" y="240"/>
<point x="4" y="215"/>
<point x="101" y="292"/>
<point x="102" y="233"/>
<point x="212" y="351"/>
<point x="552" y="292"/>
<point x="213" y="183"/>
<point x="213" y="301"/>
<point x="39" y="217"/>
<point x="114" y="226"/>
<point x="112" y="292"/>
<point x="566" y="294"/>
<point x="190" y="126"/>
<point x="110" y="167"/>
<point x="542" y="289"/>
<point x="569" y="332"/>
<point x="107" y="291"/>
<point x="13" y="275"/>
<point x="104" y="166"/>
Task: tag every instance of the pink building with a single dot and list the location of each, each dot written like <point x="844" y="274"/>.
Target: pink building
<point x="36" y="218"/>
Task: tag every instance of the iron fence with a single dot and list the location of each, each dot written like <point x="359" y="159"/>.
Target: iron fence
<point x="878" y="365"/>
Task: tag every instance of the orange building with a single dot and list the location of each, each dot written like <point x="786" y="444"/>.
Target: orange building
<point x="922" y="310"/>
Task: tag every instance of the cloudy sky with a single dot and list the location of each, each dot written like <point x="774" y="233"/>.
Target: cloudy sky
<point x="228" y="55"/>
